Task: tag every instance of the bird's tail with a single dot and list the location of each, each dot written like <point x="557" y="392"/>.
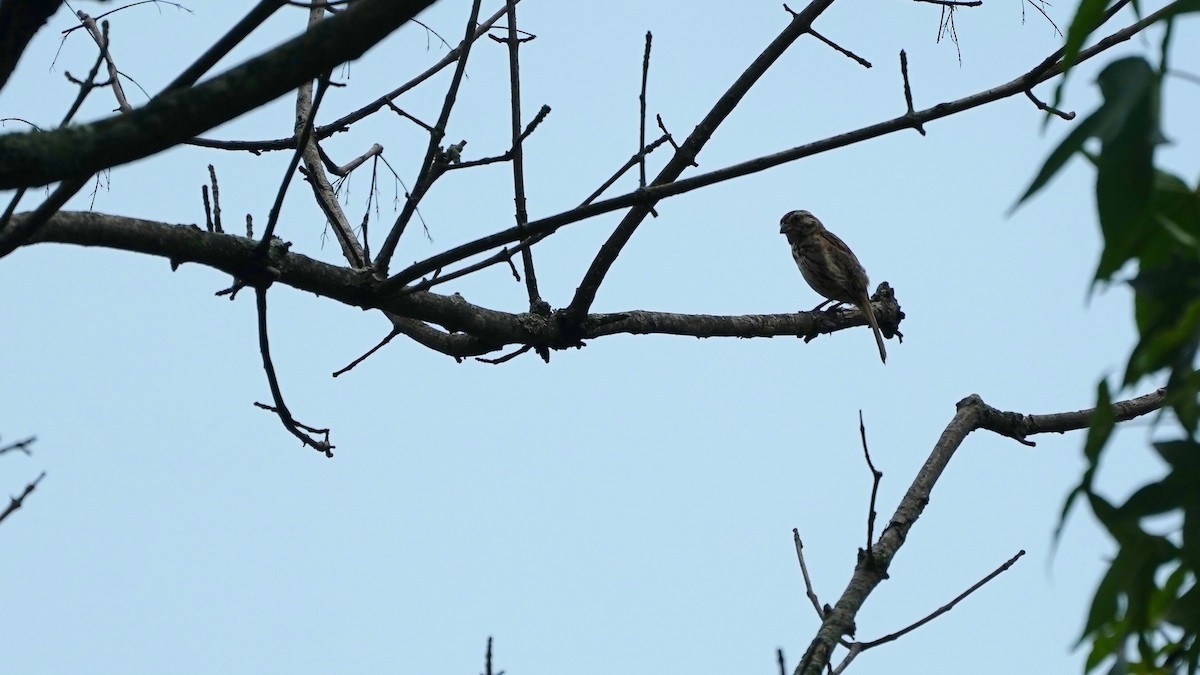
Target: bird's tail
<point x="869" y="313"/>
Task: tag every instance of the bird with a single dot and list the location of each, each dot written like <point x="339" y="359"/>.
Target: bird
<point x="829" y="266"/>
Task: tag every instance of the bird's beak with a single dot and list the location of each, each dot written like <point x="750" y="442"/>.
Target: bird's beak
<point x="782" y="228"/>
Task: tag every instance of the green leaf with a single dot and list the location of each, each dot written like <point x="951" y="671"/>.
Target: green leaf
<point x="1191" y="530"/>
<point x="1129" y="131"/>
<point x="1151" y="500"/>
<point x="1086" y="20"/>
<point x="1183" y="456"/>
<point x="1104" y="646"/>
<point x="1185" y="613"/>
<point x="1183" y="388"/>
<point x="1167" y="597"/>
<point x="1127" y="126"/>
<point x="1104" y="603"/>
<point x="1070" y="145"/>
<point x="1175" y="211"/>
<point x="1167" y="308"/>
<point x="1100" y="428"/>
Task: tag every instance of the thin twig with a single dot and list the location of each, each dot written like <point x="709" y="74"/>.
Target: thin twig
<point x="908" y="98"/>
<point x="876" y="476"/>
<point x="306" y="132"/>
<point x="1050" y="109"/>
<point x="671" y="139"/>
<point x="536" y="304"/>
<point x="216" y="195"/>
<point x="944" y="608"/>
<point x="537" y="119"/>
<point x="838" y="48"/>
<point x="634" y="160"/>
<point x="396" y="109"/>
<point x="370" y="351"/>
<point x="487" y="662"/>
<point x="366" y="219"/>
<point x="844" y="52"/>
<point x="343" y="123"/>
<point x="208" y="220"/>
<point x="102" y="42"/>
<point x="853" y="651"/>
<point x="508" y="154"/>
<point x="505" y="254"/>
<point x="20" y="446"/>
<point x="429" y="30"/>
<point x="434" y="162"/>
<point x="280" y="408"/>
<point x="16" y="502"/>
<point x="947" y="28"/>
<point x="507" y="357"/>
<point x="808" y="587"/>
<point x="88" y="83"/>
<point x="641" y="155"/>
<point x="344" y="170"/>
<point x="1038" y="6"/>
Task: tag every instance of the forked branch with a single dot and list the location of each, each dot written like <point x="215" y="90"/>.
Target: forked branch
<point x="972" y="414"/>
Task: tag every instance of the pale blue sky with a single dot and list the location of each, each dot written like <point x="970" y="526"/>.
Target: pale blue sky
<point x="627" y="508"/>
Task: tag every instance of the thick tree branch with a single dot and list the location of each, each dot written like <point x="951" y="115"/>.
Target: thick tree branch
<point x="314" y="171"/>
<point x="30" y="159"/>
<point x="483" y="330"/>
<point x="232" y="38"/>
<point x="20" y="20"/>
<point x="972" y="413"/>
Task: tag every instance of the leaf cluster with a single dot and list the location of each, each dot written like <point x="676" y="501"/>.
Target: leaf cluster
<point x="1145" y="615"/>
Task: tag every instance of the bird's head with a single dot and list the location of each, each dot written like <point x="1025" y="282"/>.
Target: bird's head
<point x="799" y="224"/>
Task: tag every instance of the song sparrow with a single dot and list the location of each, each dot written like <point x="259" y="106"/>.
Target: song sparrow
<point x="829" y="266"/>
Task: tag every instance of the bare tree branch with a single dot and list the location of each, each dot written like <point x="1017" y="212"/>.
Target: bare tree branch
<point x="808" y="586"/>
<point x="486" y="329"/>
<point x="16" y="502"/>
<point x="21" y="20"/>
<point x="946" y="607"/>
<point x="21" y="446"/>
<point x="177" y="115"/>
<point x="536" y="304"/>
<point x="434" y="163"/>
<point x="1047" y="69"/>
<point x="972" y="414"/>
<point x="343" y="123"/>
<point x="114" y="75"/>
<point x="322" y="190"/>
<point x="280" y="408"/>
<point x="585" y="294"/>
